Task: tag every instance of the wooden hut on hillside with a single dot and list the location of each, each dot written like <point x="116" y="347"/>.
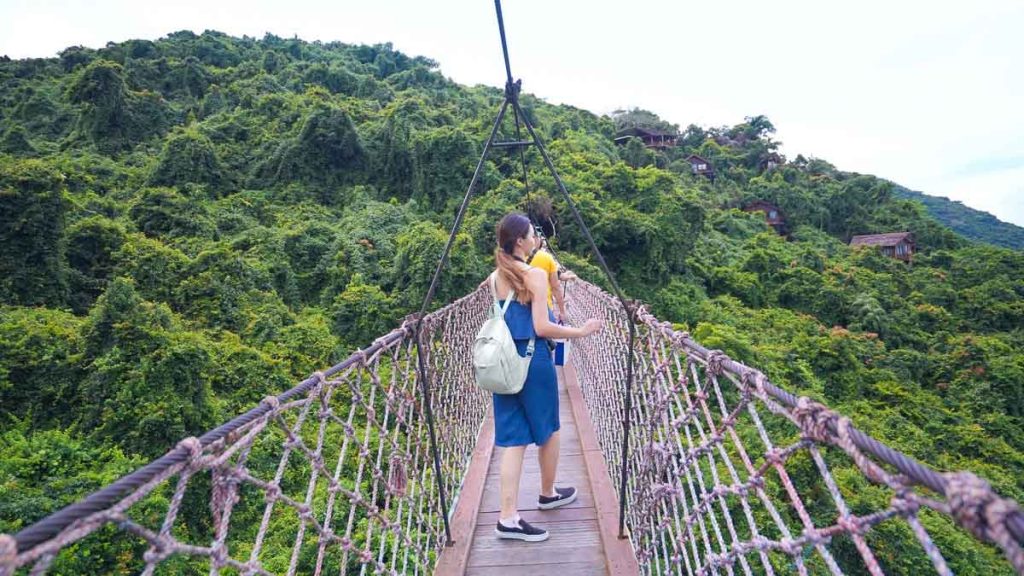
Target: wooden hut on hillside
<point x="650" y="137"/>
<point x="701" y="167"/>
<point x="899" y="245"/>
<point x="772" y="215"/>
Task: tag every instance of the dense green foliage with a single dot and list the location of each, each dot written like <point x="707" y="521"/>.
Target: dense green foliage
<point x="191" y="224"/>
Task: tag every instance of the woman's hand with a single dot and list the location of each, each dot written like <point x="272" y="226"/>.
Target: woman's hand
<point x="592" y="325"/>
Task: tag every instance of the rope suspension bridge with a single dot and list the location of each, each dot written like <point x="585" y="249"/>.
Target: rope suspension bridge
<point x="338" y="475"/>
<point x="688" y="463"/>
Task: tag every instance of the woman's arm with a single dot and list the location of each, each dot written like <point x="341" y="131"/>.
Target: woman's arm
<point x="556" y="293"/>
<point x="537" y="284"/>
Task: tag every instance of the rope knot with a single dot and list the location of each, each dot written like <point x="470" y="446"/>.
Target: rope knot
<point x="849" y="524"/>
<point x="396" y="477"/>
<point x="905" y="504"/>
<point x="977" y="507"/>
<point x="193" y="446"/>
<point x="273" y="493"/>
<point x="382" y="341"/>
<point x="753" y="383"/>
<point x="659" y="491"/>
<point x="716" y="362"/>
<point x="272" y="402"/>
<point x="158" y="553"/>
<point x="219" y="555"/>
<point x="8" y="551"/>
<point x="814" y="418"/>
<point x="320" y="377"/>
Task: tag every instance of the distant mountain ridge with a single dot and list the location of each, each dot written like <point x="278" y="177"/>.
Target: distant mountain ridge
<point x="972" y="224"/>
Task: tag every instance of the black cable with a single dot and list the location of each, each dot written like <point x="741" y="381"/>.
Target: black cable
<point x="504" y="44"/>
<point x="421" y="363"/>
<point x="626" y="306"/>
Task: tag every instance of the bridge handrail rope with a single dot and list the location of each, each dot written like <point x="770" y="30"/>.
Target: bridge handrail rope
<point x="361" y="484"/>
<point x="338" y="471"/>
<point x="385" y="504"/>
<point x="696" y="411"/>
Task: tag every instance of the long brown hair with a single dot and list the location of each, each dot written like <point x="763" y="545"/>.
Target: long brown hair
<point x="510" y="229"/>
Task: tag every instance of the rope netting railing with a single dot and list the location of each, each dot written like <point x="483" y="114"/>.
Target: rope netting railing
<point x="335" y="476"/>
<point x="728" y="474"/>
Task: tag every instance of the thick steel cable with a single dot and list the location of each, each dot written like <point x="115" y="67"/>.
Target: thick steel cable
<point x="424" y="376"/>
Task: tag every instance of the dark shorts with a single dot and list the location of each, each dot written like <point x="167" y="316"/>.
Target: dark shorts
<point x="530" y="416"/>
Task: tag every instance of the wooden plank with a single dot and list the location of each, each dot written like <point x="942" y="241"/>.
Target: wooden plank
<point x="583" y="534"/>
<point x="619" y="555"/>
<point x="585" y="568"/>
<point x="547" y="516"/>
<point x="567" y="462"/>
<point x="528" y="488"/>
<point x="567" y="448"/>
<point x="463" y="524"/>
<point x="570" y="541"/>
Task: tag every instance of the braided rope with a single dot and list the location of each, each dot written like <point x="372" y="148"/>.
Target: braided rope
<point x="332" y="476"/>
<point x="336" y="474"/>
<point x="701" y="500"/>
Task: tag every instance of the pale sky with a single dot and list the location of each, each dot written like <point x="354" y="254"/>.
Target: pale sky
<point x="929" y="94"/>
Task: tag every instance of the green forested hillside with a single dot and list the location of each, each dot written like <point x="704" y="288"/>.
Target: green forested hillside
<point x="971" y="223"/>
<point x="190" y="224"/>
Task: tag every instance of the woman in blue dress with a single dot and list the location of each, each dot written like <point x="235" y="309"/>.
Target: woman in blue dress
<point x="531" y="415"/>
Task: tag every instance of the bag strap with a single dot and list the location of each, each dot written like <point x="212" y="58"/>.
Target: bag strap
<point x="494" y="293"/>
<point x="532" y="345"/>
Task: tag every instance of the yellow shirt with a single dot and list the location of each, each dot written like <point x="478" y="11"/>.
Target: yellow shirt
<point x="546" y="262"/>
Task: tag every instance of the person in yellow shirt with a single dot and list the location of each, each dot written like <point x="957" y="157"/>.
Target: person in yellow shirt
<point x="543" y="259"/>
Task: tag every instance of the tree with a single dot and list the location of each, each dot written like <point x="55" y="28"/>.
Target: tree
<point x="39" y="372"/>
<point x="636" y="154"/>
<point x="146" y="386"/>
<point x="92" y="243"/>
<point x="108" y="114"/>
<point x="418" y="250"/>
<point x="164" y="212"/>
<point x="32" y="238"/>
<point x="640" y="118"/>
<point x="327" y="151"/>
<point x="362" y="313"/>
<point x="445" y="158"/>
<point x="15" y="141"/>
<point x="868" y="315"/>
<point x="188" y="157"/>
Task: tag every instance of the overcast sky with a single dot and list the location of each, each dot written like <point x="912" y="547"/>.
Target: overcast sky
<point x="928" y="94"/>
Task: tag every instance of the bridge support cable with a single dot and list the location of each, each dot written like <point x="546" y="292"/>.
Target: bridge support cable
<point x="512" y="91"/>
<point x="423" y="374"/>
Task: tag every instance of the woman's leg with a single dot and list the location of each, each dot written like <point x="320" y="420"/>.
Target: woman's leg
<point x="547" y="455"/>
<point x="511" y="471"/>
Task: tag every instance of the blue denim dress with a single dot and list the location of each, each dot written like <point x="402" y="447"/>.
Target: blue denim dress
<point x="531" y="415"/>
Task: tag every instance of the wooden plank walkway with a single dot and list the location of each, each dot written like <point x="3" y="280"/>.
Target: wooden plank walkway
<point x="584" y="538"/>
